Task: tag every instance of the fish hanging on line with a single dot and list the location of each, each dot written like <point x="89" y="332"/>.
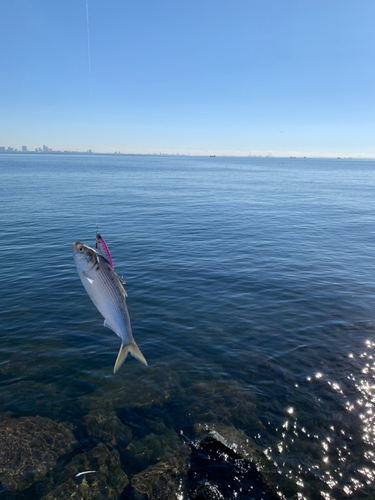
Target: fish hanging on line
<point x="105" y="289"/>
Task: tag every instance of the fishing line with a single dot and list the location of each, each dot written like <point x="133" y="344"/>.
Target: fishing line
<point x="90" y="92"/>
<point x="89" y="64"/>
<point x="96" y="220"/>
<point x="88" y="44"/>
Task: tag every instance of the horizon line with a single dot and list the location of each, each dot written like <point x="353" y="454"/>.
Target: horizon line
<point x="211" y="154"/>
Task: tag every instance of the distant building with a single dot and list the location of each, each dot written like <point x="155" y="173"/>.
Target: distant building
<point x="2" y="149"/>
<point x="24" y="149"/>
<point x="10" y="150"/>
<point x="45" y="149"/>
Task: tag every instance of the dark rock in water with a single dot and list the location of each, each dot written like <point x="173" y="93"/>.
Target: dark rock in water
<point x="165" y="480"/>
<point x="206" y="491"/>
<point x="29" y="448"/>
<point x="214" y="440"/>
<point x="107" y="427"/>
<point x="233" y="441"/>
<point x="105" y="480"/>
<point x="232" y="460"/>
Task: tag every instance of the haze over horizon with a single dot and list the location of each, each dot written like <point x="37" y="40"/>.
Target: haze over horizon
<point x="246" y="77"/>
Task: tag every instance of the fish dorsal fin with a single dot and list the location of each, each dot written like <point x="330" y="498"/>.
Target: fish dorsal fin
<point x="122" y="285"/>
<point x="107" y="325"/>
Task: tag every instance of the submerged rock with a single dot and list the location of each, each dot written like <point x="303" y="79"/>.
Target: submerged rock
<point x="258" y="473"/>
<point x="29" y="448"/>
<point x="104" y="478"/>
<point x="145" y="387"/>
<point x="221" y="401"/>
<point x="165" y="480"/>
<point x="206" y="491"/>
<point x="106" y="426"/>
<point x="152" y="447"/>
<point x="229" y="439"/>
<point x="46" y="400"/>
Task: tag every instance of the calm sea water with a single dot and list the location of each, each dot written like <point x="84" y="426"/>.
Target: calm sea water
<point x="251" y="291"/>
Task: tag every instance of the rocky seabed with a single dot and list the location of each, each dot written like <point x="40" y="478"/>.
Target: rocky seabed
<point x="115" y="451"/>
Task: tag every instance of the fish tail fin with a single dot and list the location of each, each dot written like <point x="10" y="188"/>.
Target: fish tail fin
<point x="133" y="349"/>
<point x="136" y="353"/>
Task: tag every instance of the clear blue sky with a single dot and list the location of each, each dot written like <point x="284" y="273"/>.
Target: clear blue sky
<point x="232" y="77"/>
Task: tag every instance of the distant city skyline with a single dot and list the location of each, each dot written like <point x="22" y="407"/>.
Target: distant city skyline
<point x="46" y="149"/>
<point x="242" y="78"/>
<point x="43" y="149"/>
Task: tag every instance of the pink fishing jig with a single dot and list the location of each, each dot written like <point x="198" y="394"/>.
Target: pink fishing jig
<point x="101" y="244"/>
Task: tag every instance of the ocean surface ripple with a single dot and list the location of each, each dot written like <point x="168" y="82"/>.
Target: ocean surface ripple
<point x="251" y="291"/>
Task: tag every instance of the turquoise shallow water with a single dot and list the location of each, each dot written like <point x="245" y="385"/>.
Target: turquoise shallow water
<point x="251" y="291"/>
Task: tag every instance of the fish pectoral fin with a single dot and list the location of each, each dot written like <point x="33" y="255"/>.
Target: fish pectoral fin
<point x="107" y="325"/>
<point x="134" y="350"/>
<point x="90" y="280"/>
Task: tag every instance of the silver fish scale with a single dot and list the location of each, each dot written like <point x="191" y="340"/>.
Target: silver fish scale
<point x="111" y="284"/>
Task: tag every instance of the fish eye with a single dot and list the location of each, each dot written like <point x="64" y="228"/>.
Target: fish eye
<point x="80" y="249"/>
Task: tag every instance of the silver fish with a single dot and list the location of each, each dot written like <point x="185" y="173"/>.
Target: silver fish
<point x="105" y="289"/>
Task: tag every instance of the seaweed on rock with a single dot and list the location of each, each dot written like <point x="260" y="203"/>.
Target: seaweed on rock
<point x="152" y="447"/>
<point x="107" y="427"/>
<point x="102" y="478"/>
<point x="165" y="480"/>
<point x="29" y="448"/>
